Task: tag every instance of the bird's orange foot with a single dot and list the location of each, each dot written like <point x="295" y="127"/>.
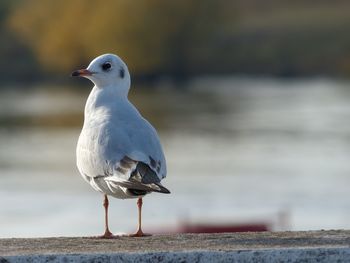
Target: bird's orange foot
<point x="106" y="235"/>
<point x="109" y="236"/>
<point x="139" y="233"/>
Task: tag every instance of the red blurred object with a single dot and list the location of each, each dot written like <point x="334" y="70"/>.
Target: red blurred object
<point x="208" y="228"/>
<point x="214" y="228"/>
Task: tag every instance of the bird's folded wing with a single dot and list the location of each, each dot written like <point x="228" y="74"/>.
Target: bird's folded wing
<point x="137" y="185"/>
<point x="136" y="175"/>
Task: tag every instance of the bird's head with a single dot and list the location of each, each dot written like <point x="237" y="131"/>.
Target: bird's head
<point x="106" y="70"/>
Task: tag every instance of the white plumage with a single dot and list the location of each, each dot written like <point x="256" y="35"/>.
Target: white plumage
<point x="118" y="151"/>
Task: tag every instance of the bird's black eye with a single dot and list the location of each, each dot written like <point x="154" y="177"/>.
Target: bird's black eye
<point x="106" y="66"/>
<point x="121" y="73"/>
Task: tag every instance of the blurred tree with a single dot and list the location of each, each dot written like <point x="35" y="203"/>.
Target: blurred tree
<point x="153" y="36"/>
<point x="16" y="57"/>
<point x="185" y="37"/>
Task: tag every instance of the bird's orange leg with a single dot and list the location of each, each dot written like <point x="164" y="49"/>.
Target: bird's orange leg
<point x="139" y="232"/>
<point x="107" y="234"/>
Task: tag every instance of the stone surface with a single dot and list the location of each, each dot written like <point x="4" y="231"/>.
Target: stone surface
<point x="310" y="246"/>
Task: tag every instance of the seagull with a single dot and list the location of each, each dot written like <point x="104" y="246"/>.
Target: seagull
<point x="118" y="151"/>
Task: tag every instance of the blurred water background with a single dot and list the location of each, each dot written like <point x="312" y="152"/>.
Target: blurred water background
<point x="251" y="104"/>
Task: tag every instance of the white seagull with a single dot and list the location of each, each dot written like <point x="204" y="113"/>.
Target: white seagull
<point x="118" y="152"/>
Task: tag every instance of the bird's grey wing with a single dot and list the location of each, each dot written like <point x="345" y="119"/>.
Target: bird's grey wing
<point x="149" y="149"/>
<point x="139" y="141"/>
<point x="136" y="176"/>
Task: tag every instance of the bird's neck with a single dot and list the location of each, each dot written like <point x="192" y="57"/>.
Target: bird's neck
<point x="105" y="98"/>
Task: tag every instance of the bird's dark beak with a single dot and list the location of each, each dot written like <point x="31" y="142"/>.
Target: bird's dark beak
<point x="81" y="73"/>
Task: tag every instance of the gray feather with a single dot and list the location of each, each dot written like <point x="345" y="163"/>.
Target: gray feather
<point x="136" y="185"/>
<point x="148" y="176"/>
<point x="142" y="176"/>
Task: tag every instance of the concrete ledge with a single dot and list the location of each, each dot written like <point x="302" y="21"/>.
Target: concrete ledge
<point x="311" y="246"/>
<point x="275" y="255"/>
